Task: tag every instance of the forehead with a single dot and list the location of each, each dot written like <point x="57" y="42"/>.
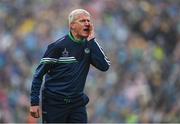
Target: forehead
<point x="82" y="16"/>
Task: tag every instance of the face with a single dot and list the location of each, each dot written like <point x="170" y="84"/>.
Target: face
<point x="81" y="26"/>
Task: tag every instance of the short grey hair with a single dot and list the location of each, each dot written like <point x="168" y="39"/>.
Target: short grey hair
<point x="73" y="15"/>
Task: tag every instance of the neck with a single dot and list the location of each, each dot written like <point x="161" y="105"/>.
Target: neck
<point x="75" y="39"/>
<point x="75" y="36"/>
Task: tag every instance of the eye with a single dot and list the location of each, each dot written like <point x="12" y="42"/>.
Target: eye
<point x="84" y="20"/>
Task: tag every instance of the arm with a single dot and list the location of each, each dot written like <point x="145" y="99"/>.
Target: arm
<point x="41" y="70"/>
<point x="37" y="82"/>
<point x="98" y="57"/>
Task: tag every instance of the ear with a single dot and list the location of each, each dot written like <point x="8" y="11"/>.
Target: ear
<point x="72" y="26"/>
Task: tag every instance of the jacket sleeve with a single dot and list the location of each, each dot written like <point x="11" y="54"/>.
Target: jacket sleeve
<point x="40" y="71"/>
<point x="98" y="58"/>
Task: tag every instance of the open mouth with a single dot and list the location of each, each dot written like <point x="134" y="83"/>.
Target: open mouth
<point x="86" y="29"/>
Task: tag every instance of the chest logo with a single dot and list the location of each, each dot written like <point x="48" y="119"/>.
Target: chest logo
<point x="65" y="53"/>
<point x="87" y="50"/>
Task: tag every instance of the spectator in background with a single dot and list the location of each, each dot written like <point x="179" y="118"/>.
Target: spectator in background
<point x="141" y="38"/>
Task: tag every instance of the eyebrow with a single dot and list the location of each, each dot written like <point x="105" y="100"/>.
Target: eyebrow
<point x="83" y="20"/>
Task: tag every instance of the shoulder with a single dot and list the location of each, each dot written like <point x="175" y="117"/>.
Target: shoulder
<point x="58" y="43"/>
<point x="55" y="48"/>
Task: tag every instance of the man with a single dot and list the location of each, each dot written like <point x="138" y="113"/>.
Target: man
<point x="65" y="65"/>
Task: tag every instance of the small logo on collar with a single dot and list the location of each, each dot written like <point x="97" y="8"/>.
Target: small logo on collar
<point x="87" y="50"/>
<point x="65" y="53"/>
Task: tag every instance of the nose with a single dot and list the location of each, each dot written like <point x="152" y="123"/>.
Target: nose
<point x="87" y="23"/>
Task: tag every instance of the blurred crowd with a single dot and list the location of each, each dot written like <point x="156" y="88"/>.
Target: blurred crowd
<point x="141" y="38"/>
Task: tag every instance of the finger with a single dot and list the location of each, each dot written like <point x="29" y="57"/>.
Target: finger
<point x="91" y="27"/>
<point x="35" y="114"/>
<point x="38" y="113"/>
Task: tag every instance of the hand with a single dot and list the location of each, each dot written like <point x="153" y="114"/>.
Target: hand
<point x="91" y="33"/>
<point x="35" y="111"/>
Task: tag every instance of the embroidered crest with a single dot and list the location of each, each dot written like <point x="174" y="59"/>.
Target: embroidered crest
<point x="87" y="50"/>
<point x="65" y="53"/>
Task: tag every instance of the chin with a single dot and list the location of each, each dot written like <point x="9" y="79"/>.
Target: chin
<point x="85" y="36"/>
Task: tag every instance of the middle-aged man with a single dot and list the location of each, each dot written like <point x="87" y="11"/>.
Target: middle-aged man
<point x="65" y="65"/>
